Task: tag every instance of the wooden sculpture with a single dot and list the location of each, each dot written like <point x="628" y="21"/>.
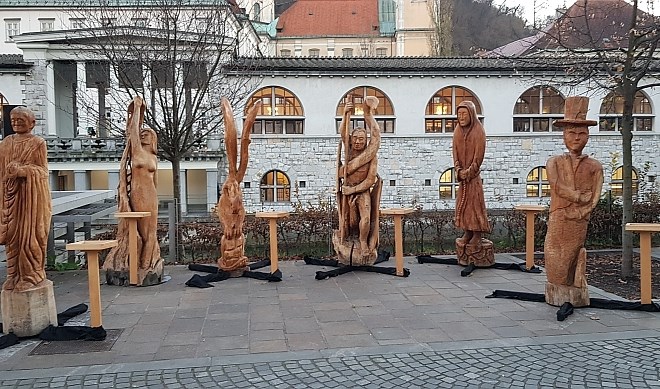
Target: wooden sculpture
<point x="230" y="207"/>
<point x="575" y="185"/>
<point x="469" y="148"/>
<point x="358" y="189"/>
<point x="137" y="193"/>
<point x="28" y="302"/>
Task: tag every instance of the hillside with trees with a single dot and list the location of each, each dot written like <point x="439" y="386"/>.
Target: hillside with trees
<point x="476" y="25"/>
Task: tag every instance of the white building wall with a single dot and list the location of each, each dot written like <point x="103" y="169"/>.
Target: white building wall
<point x="409" y="156"/>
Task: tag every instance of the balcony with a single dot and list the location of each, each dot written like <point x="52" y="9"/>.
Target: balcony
<point x="111" y="149"/>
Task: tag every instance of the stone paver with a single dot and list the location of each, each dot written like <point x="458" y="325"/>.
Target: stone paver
<point x="433" y="329"/>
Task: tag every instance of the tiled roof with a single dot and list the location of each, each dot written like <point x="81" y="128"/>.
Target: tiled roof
<point x="329" y="18"/>
<point x="13" y="61"/>
<point x="91" y="3"/>
<point x="395" y="64"/>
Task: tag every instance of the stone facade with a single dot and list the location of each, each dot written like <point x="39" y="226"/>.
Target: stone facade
<point x="411" y="161"/>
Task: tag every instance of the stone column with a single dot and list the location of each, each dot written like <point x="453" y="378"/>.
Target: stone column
<point x="113" y="180"/>
<point x="211" y="188"/>
<point x="51" y="126"/>
<point x="52" y="179"/>
<point x="81" y="103"/>
<point x="80" y="180"/>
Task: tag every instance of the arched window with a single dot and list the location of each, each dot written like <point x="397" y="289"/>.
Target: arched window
<point x="441" y="109"/>
<point x="448" y="184"/>
<point x="537" y="183"/>
<point x="611" y="113"/>
<point x="314" y="53"/>
<point x="285" y="53"/>
<point x="384" y="113"/>
<point x="256" y="12"/>
<point x="346" y="53"/>
<point x="280" y="113"/>
<point x="381" y="52"/>
<point x="617" y="182"/>
<point x="537" y="108"/>
<point x="275" y="187"/>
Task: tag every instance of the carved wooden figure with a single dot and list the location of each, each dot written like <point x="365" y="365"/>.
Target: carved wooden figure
<point x="230" y="207"/>
<point x="137" y="193"/>
<point x="358" y="189"/>
<point x="28" y="302"/>
<point x="575" y="186"/>
<point x="469" y="148"/>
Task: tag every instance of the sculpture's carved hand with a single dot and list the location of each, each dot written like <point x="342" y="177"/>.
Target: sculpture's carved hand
<point x="15" y="169"/>
<point x="371" y="102"/>
<point x="585" y="197"/>
<point x="348" y="107"/>
<point x="462" y="174"/>
<point x="347" y="190"/>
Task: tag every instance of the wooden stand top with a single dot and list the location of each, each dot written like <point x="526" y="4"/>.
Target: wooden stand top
<point x="132" y="214"/>
<point x="91" y="245"/>
<point x="272" y="214"/>
<point x="530" y="207"/>
<point x="396" y="211"/>
<point x="643" y="227"/>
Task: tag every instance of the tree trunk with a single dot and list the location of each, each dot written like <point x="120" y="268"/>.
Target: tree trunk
<point x="626" y="236"/>
<point x="176" y="184"/>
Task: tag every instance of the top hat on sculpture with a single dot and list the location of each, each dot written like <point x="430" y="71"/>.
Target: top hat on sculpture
<point x="575" y="112"/>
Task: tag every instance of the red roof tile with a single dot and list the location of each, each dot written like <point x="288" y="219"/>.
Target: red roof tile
<point x="329" y="18"/>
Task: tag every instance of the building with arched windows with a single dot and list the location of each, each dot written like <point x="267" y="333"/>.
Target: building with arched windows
<point x="295" y="135"/>
<point x="417" y="114"/>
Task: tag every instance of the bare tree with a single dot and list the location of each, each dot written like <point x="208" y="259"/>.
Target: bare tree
<point x="613" y="46"/>
<point x="173" y="53"/>
<point x="440" y="39"/>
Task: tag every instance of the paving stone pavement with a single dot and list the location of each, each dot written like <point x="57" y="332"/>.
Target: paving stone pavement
<point x="432" y="329"/>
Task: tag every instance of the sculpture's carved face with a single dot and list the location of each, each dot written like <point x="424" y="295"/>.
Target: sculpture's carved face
<point x="21" y="122"/>
<point x="575" y="138"/>
<point x="359" y="138"/>
<point x="145" y="137"/>
<point x="463" y="116"/>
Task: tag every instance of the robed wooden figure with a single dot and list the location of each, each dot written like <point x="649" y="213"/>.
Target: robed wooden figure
<point x="469" y="148"/>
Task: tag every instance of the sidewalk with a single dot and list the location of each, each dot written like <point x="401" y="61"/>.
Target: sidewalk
<point x="432" y="329"/>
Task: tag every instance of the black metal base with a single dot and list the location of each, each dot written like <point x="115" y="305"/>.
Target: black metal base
<point x="383" y="256"/>
<point x="470" y="268"/>
<point x="567" y="308"/>
<point x="217" y="275"/>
